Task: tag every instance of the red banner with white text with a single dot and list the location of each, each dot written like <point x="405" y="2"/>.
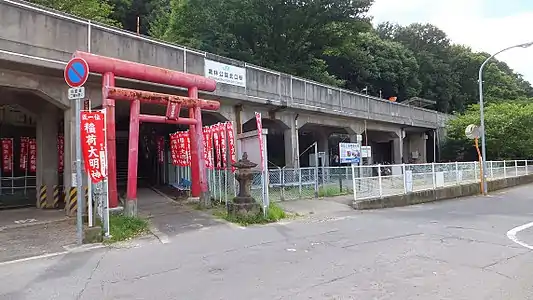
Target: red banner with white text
<point x="223" y="146"/>
<point x="174" y="150"/>
<point x="231" y="145"/>
<point x="7" y="155"/>
<point x="23" y="160"/>
<point x="187" y="155"/>
<point x="32" y="146"/>
<point x="93" y="144"/>
<point x="160" y="149"/>
<point x="60" y="153"/>
<point x="216" y="140"/>
<point x="207" y="155"/>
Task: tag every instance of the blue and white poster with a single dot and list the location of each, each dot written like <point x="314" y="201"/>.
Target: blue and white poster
<point x="350" y="153"/>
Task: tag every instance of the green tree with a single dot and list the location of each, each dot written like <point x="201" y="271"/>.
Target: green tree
<point x="96" y="10"/>
<point x="448" y="73"/>
<point x="507" y="132"/>
<point x="127" y="11"/>
<point x="290" y="36"/>
<point x="365" y="60"/>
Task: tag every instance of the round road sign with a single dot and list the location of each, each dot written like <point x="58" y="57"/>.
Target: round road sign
<point x="76" y="72"/>
<point x="472" y="131"/>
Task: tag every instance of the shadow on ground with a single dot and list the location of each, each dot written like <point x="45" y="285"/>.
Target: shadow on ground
<point x="172" y="217"/>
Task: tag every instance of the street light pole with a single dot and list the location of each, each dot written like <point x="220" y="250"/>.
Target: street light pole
<point x="482" y="112"/>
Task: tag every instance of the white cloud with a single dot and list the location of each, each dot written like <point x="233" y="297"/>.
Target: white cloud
<point x="464" y="23"/>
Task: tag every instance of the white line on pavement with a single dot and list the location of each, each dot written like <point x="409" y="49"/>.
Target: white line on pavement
<point x="511" y="234"/>
<point x="74" y="249"/>
<point x="32" y="258"/>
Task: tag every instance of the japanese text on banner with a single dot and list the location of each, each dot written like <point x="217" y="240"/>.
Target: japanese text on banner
<point x="259" y="123"/>
<point x="231" y="145"/>
<point x="207" y="155"/>
<point x="160" y="149"/>
<point x="187" y="148"/>
<point x="216" y="134"/>
<point x="23" y="161"/>
<point x="182" y="150"/>
<point x="7" y="155"/>
<point x="32" y="144"/>
<point x="223" y="148"/>
<point x="60" y="153"/>
<point x="174" y="151"/>
<point x="93" y="144"/>
<point x="210" y="148"/>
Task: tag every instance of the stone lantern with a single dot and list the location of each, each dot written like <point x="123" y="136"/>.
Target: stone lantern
<point x="244" y="203"/>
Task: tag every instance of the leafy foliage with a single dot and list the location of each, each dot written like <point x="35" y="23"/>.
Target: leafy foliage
<point x="507" y="132"/>
<point x="96" y="10"/>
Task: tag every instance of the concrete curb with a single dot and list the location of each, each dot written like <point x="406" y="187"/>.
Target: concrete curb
<point x="445" y="193"/>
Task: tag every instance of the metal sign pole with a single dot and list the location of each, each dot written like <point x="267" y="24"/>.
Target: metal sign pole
<point x="76" y="73"/>
<point x="105" y="200"/>
<point x="79" y="200"/>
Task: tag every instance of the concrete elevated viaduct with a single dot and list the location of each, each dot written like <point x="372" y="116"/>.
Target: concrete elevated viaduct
<point x="36" y="43"/>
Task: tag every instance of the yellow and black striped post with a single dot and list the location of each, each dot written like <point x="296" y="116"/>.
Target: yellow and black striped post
<point x="72" y="203"/>
<point x="56" y="196"/>
<point x="42" y="196"/>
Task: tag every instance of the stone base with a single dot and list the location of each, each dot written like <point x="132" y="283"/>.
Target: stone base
<point x="92" y="235"/>
<point x="243" y="206"/>
<point x="116" y="210"/>
<point x="130" y="208"/>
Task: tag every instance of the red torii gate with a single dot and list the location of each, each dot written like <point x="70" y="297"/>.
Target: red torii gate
<point x="111" y="67"/>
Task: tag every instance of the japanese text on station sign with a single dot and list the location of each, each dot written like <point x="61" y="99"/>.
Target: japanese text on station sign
<point x="93" y="144"/>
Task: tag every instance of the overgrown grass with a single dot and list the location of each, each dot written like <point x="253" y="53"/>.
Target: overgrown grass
<point x="332" y="190"/>
<point x="124" y="228"/>
<point x="274" y="214"/>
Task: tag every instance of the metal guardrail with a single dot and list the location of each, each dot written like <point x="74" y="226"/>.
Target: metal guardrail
<point x="363" y="182"/>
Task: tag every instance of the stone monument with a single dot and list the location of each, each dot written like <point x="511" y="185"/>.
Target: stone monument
<point x="244" y="203"/>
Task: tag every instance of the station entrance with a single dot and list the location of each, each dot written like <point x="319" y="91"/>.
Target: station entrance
<point x="22" y="159"/>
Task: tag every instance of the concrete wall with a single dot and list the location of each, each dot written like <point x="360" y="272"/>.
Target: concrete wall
<point x="38" y="37"/>
<point x="457" y="191"/>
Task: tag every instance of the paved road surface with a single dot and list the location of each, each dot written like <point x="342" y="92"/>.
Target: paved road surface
<point x="456" y="249"/>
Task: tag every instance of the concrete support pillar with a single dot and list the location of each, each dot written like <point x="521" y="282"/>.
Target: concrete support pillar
<point x="417" y="143"/>
<point x="397" y="148"/>
<point x="69" y="170"/>
<point x="323" y="144"/>
<point x="291" y="141"/>
<point x="47" y="157"/>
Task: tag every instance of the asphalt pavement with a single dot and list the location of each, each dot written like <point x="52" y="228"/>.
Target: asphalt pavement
<point x="456" y="249"/>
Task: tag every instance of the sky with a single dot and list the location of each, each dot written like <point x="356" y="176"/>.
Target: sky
<point x="484" y="25"/>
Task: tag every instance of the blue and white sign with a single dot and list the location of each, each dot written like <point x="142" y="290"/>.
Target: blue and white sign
<point x="350" y="153"/>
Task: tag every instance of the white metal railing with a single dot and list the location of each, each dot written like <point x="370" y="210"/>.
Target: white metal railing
<point x="364" y="182"/>
<point x="388" y="180"/>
